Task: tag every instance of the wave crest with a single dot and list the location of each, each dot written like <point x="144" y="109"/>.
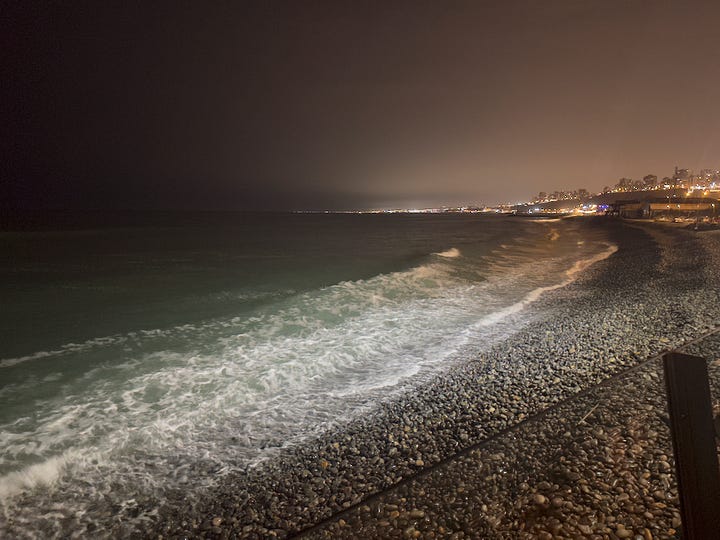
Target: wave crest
<point x="45" y="473"/>
<point x="451" y="253"/>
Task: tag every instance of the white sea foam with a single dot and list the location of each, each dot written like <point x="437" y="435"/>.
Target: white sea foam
<point x="449" y="254"/>
<point x="121" y="339"/>
<point x="68" y="348"/>
<point x="39" y="474"/>
<point x="158" y="419"/>
<point x="571" y="274"/>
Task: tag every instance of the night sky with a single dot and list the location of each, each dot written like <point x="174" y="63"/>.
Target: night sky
<point x="333" y="105"/>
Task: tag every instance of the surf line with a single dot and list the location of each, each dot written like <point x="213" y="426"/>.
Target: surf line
<point x="571" y="275"/>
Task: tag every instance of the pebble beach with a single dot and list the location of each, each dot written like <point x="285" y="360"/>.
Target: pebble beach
<point x="521" y="441"/>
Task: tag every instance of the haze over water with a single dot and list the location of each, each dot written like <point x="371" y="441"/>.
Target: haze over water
<point x="144" y="359"/>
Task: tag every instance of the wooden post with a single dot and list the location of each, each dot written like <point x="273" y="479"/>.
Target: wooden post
<point x="693" y="436"/>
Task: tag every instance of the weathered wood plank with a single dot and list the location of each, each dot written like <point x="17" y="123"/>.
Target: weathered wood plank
<point x="693" y="435"/>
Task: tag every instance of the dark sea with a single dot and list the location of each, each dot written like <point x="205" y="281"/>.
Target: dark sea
<point x="159" y="355"/>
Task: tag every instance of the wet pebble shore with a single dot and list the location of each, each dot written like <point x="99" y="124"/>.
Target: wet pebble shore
<point x="599" y="466"/>
<point x="607" y="474"/>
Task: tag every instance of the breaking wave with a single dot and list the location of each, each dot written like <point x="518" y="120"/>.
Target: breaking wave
<point x="180" y="407"/>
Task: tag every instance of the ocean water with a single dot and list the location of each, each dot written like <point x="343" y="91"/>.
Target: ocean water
<point x="152" y="358"/>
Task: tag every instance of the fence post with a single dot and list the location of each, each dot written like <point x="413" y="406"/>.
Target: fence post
<point x="693" y="435"/>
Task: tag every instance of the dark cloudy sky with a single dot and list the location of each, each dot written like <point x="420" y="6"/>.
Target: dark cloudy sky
<point x="306" y="104"/>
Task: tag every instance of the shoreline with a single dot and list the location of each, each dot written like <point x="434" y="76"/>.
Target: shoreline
<point x="657" y="291"/>
<point x="310" y="482"/>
